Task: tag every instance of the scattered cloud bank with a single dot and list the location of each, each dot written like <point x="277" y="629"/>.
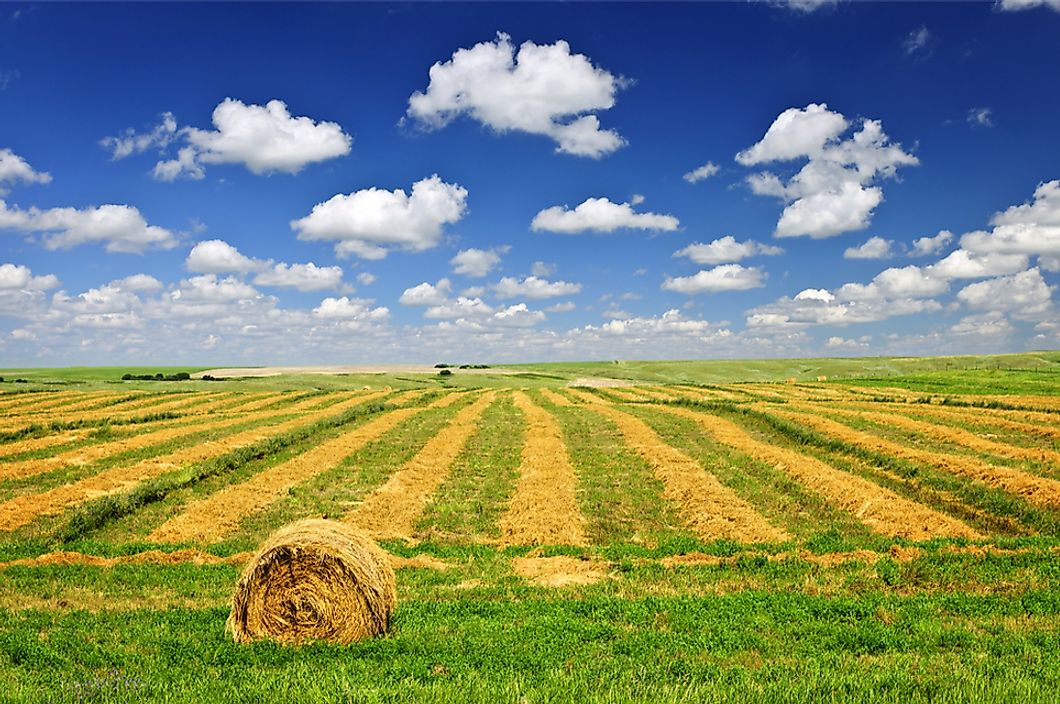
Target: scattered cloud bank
<point x="543" y="89"/>
<point x="263" y="138"/>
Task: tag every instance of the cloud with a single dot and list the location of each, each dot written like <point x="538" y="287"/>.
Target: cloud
<point x="303" y="277"/>
<point x="564" y="307"/>
<point x="427" y="294"/>
<point x="346" y="308"/>
<point x="15" y="277"/>
<point x="917" y="40"/>
<point x="804" y="6"/>
<point x="835" y="190"/>
<point x="1016" y="5"/>
<point x="534" y="288"/>
<point x="369" y="222"/>
<point x="462" y="307"/>
<point x="476" y="263"/>
<point x="993" y="324"/>
<point x="702" y="173"/>
<point x="139" y="283"/>
<point x="365" y="278"/>
<point x="1026" y="295"/>
<point x="131" y="142"/>
<point x="962" y="264"/>
<point x="599" y="215"/>
<point x="14" y="168"/>
<point x="542" y="269"/>
<point x="872" y="248"/>
<point x="726" y="249"/>
<point x="1031" y="228"/>
<point x="121" y="228"/>
<point x="981" y="117"/>
<point x="263" y="138"/>
<point x="544" y="90"/>
<point x="727" y="277"/>
<point x="840" y="343"/>
<point x="219" y="257"/>
<point x="924" y="246"/>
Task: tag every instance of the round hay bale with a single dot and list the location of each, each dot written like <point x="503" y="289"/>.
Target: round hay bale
<point x="314" y="580"/>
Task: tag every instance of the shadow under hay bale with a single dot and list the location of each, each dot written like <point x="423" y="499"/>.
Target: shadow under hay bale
<point x="314" y="580"/>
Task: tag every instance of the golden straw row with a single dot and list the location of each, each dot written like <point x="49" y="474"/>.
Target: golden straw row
<point x="544" y="509"/>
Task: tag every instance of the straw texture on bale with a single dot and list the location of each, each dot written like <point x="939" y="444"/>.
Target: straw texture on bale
<point x="314" y="580"/>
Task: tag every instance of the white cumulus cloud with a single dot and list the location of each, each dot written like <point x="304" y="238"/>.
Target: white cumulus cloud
<point x="727" y="277"/>
<point x="427" y="294"/>
<point x="476" y="263"/>
<point x="303" y="277"/>
<point x="872" y="248"/>
<point x="219" y="257"/>
<point x="924" y="246"/>
<point x="534" y="288"/>
<point x="599" y="215"/>
<point x="726" y="249"/>
<point x="263" y="138"/>
<point x="369" y="222"/>
<point x="543" y="89"/>
<point x="120" y="228"/>
<point x="836" y="190"/>
<point x="14" y="169"/>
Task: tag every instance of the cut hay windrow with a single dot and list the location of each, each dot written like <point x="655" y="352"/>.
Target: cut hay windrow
<point x="219" y="514"/>
<point x="186" y="556"/>
<point x="185" y="406"/>
<point x="158" y="436"/>
<point x="1040" y="491"/>
<point x="945" y="433"/>
<point x="544" y="509"/>
<point x="39" y="403"/>
<point x="556" y="399"/>
<point x="709" y="508"/>
<point x="882" y="510"/>
<point x="314" y="580"/>
<point x="1027" y="422"/>
<point x="392" y="509"/>
<point x="26" y="398"/>
<point x="712" y="393"/>
<point x="559" y="571"/>
<point x="40" y="443"/>
<point x="627" y="395"/>
<point x="24" y="509"/>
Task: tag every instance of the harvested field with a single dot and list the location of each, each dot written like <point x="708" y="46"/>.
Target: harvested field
<point x="392" y="509"/>
<point x="882" y="510"/>
<point x="212" y="518"/>
<point x="23" y="509"/>
<point x="544" y="510"/>
<point x="1041" y="491"/>
<point x="709" y="508"/>
<point x="701" y="520"/>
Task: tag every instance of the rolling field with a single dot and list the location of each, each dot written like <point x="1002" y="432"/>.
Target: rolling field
<point x="866" y="539"/>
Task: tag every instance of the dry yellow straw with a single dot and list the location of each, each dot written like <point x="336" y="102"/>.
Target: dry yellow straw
<point x="314" y="580"/>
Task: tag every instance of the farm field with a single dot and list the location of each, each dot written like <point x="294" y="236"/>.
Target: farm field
<point x="699" y="533"/>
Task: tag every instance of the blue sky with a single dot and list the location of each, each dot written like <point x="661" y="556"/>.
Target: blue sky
<point x="269" y="183"/>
